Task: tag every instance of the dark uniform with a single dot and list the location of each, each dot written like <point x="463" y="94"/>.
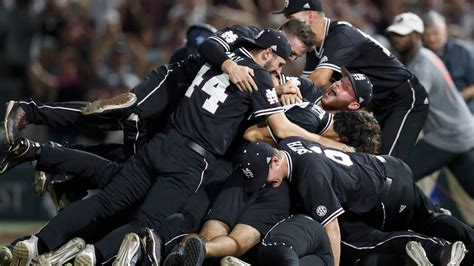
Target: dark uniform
<point x="172" y="166"/>
<point x="297" y="240"/>
<point x="399" y="101"/>
<point x="378" y="190"/>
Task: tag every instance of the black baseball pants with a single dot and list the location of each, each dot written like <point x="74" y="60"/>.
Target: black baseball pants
<point x="401" y="116"/>
<point x="297" y="240"/>
<point x="163" y="175"/>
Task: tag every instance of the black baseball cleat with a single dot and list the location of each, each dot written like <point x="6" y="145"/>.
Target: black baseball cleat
<point x="117" y="103"/>
<point x="6" y="255"/>
<point x="175" y="257"/>
<point x="152" y="244"/>
<point x="452" y="254"/>
<point x="22" y="150"/>
<point x="15" y="120"/>
<point x="194" y="251"/>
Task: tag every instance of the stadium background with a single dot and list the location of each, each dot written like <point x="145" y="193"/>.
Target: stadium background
<point x="60" y="50"/>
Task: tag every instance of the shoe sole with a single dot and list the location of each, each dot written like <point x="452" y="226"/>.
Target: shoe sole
<point x="66" y="252"/>
<point x="174" y="259"/>
<point x="458" y="251"/>
<point x="5" y="127"/>
<point x="192" y="252"/>
<point x="21" y="255"/>
<point x="5" y="256"/>
<point x="232" y="261"/>
<point x="128" y="250"/>
<point x="108" y="105"/>
<point x="147" y="240"/>
<point x="83" y="261"/>
<point x="416" y="252"/>
<point x="40" y="183"/>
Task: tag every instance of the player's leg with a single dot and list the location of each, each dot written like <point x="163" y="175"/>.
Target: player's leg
<point x="462" y="168"/>
<point x="298" y="240"/>
<point x="422" y="167"/>
<point x="401" y="117"/>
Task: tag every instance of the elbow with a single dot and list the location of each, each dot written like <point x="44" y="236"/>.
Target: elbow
<point x="251" y="135"/>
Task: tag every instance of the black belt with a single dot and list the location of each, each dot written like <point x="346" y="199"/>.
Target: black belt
<point x="198" y="149"/>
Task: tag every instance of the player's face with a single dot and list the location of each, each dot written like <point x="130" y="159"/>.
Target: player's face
<point x="274" y="64"/>
<point x="275" y="177"/>
<point x="434" y="37"/>
<point x="338" y="96"/>
<point x="298" y="49"/>
<point x="301" y="16"/>
<point x="402" y="43"/>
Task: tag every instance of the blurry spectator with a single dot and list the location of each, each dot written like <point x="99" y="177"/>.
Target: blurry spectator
<point x="192" y="11"/>
<point x="18" y="36"/>
<point x="195" y="35"/>
<point x="449" y="129"/>
<point x="100" y="11"/>
<point x="456" y="55"/>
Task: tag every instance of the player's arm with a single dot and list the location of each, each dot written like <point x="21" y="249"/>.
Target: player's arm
<point x="259" y="132"/>
<point x="214" y="50"/>
<point x="283" y="128"/>
<point x="334" y="234"/>
<point x="242" y="238"/>
<point x="321" y="77"/>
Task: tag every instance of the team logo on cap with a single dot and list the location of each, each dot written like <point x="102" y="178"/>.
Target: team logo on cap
<point x="358" y="76"/>
<point x="248" y="173"/>
<point x="321" y="210"/>
<point x="307" y="6"/>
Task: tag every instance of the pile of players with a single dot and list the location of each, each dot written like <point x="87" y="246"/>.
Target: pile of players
<point x="226" y="157"/>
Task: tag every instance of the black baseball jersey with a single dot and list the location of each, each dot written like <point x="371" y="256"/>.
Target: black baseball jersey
<point x="213" y="108"/>
<point x="309" y="116"/>
<point x="345" y="45"/>
<point x="230" y="37"/>
<point x="329" y="182"/>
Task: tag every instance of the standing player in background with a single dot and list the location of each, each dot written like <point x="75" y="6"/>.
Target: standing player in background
<point x="399" y="101"/>
<point x="448" y="138"/>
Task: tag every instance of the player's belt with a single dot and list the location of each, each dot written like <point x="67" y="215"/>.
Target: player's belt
<point x="198" y="149"/>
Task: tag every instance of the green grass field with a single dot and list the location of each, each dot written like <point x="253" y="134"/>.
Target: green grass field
<point x="10" y="230"/>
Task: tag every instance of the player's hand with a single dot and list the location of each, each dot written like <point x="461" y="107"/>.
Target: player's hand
<point x="241" y="76"/>
<point x="336" y="145"/>
<point x="289" y="88"/>
<point x="289" y="98"/>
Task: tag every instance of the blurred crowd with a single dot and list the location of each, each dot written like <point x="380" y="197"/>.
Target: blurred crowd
<point x="63" y="50"/>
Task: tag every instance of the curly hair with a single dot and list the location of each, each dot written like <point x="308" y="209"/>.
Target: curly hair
<point x="359" y="129"/>
<point x="301" y="31"/>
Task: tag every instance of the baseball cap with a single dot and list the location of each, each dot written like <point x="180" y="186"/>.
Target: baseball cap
<point x="197" y="34"/>
<point x="254" y="163"/>
<point x="293" y="6"/>
<point x="361" y="85"/>
<point x="406" y="23"/>
<point x="274" y="39"/>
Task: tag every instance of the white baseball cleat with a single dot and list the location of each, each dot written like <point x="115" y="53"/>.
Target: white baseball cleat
<point x="62" y="255"/>
<point x="129" y="252"/>
<point x="86" y="257"/>
<point x="417" y="253"/>
<point x="233" y="261"/>
<point x="118" y="102"/>
<point x="25" y="251"/>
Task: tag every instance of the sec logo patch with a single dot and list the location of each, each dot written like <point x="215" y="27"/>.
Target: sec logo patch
<point x="321" y="210"/>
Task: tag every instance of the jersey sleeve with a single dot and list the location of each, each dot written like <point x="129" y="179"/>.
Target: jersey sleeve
<point x="319" y="200"/>
<point x="214" y="49"/>
<point x="339" y="50"/>
<point x="264" y="101"/>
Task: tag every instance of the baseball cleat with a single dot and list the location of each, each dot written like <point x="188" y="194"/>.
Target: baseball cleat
<point x="152" y="245"/>
<point x="15" y="120"/>
<point x="453" y="254"/>
<point x="130" y="251"/>
<point x="233" y="261"/>
<point x="101" y="106"/>
<point x="417" y="253"/>
<point x="62" y="255"/>
<point x="41" y="181"/>
<point x="194" y="251"/>
<point x="86" y="257"/>
<point x="22" y="150"/>
<point x="175" y="257"/>
<point x="25" y="251"/>
<point x="6" y="255"/>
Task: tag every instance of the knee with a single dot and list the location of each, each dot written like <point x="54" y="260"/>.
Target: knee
<point x="277" y="255"/>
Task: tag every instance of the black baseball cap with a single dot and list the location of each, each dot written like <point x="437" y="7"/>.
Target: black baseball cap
<point x="293" y="6"/>
<point x="361" y="84"/>
<point x="197" y="34"/>
<point x="255" y="163"/>
<point x="274" y="39"/>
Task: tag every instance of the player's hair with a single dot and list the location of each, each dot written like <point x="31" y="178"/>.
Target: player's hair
<point x="358" y="129"/>
<point x="301" y="31"/>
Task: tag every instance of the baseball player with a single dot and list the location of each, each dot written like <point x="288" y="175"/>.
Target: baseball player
<point x="377" y="189"/>
<point x="448" y="134"/>
<point x="399" y="101"/>
<point x="179" y="150"/>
